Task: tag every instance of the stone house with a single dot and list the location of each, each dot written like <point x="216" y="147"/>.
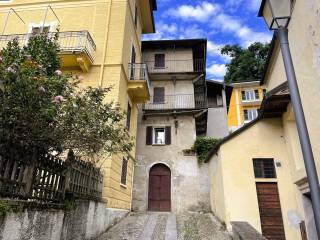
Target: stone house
<point x="167" y="174"/>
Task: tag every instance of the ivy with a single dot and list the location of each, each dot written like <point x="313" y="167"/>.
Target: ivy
<point x="202" y="146"/>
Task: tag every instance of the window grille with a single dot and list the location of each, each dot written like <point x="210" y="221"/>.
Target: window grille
<point x="124" y="170"/>
<point x="264" y="168"/>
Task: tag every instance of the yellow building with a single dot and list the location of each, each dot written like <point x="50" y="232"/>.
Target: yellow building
<point x="245" y="101"/>
<point x="100" y="40"/>
<point x="273" y="140"/>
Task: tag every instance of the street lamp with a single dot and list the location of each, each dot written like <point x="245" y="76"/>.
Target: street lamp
<point x="277" y="14"/>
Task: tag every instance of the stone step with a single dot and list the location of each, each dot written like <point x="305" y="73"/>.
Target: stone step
<point x="167" y="226"/>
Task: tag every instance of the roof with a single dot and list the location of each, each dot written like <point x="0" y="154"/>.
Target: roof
<point x="177" y="43"/>
<point x="268" y="61"/>
<point x="260" y="13"/>
<point x="273" y="105"/>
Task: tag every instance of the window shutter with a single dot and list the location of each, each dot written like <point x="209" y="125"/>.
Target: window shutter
<point x="158" y="95"/>
<point x="168" y="135"/>
<point x="256" y="93"/>
<point x="243" y="94"/>
<point x="149" y="135"/>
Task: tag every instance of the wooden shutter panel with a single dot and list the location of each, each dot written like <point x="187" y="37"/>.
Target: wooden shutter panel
<point x="158" y="95"/>
<point x="168" y="135"/>
<point x="149" y="135"/>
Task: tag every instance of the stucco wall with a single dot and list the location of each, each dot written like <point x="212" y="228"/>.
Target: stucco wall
<point x="88" y="220"/>
<point x="189" y="182"/>
<point x="114" y="33"/>
<point x="304" y="39"/>
<point x="234" y="167"/>
<point x="217" y="125"/>
<point x="176" y="60"/>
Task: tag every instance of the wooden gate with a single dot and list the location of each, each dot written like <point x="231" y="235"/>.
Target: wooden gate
<point x="270" y="211"/>
<point x="159" y="188"/>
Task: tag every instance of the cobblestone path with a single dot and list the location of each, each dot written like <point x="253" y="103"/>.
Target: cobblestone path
<point x="167" y="226"/>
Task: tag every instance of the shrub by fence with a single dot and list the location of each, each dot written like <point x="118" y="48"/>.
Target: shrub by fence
<point x="49" y="179"/>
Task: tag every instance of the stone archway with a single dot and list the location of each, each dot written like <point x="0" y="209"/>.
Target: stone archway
<point x="159" y="197"/>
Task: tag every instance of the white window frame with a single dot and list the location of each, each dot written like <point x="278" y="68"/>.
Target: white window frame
<point x="154" y="135"/>
<point x="51" y="25"/>
<point x="250" y="95"/>
<point x="252" y="114"/>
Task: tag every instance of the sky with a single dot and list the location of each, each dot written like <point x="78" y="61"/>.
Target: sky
<point x="221" y="22"/>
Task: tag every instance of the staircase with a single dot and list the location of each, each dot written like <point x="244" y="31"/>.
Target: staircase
<point x="167" y="226"/>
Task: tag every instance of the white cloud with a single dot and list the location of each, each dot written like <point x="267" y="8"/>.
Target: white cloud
<point x="213" y="15"/>
<point x="214" y="49"/>
<point x="254" y="5"/>
<point x="200" y="13"/>
<point x="217" y="70"/>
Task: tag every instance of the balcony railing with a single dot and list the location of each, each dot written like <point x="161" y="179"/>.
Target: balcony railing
<point x="171" y="102"/>
<point x="72" y="41"/>
<point x="139" y="71"/>
<point x="177" y="66"/>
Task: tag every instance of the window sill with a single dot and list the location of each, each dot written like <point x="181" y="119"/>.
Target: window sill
<point x="123" y="185"/>
<point x="156" y="144"/>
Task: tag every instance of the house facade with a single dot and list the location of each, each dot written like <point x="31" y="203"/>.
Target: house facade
<point x="271" y="186"/>
<point x="167" y="174"/>
<point x="244" y="104"/>
<point x="101" y="41"/>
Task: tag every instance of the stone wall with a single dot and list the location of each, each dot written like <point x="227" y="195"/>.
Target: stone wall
<point x="88" y="220"/>
<point x="189" y="181"/>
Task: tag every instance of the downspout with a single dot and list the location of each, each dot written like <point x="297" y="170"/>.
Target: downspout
<point x="105" y="45"/>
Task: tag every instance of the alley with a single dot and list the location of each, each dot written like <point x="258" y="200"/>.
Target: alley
<point x="167" y="226"/>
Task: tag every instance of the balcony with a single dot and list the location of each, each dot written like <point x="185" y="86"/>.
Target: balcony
<point x="177" y="66"/>
<point x="251" y="102"/>
<point x="175" y="102"/>
<point x="138" y="82"/>
<point x="77" y="48"/>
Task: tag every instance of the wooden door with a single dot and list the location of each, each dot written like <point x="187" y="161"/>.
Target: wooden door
<point x="270" y="211"/>
<point x="159" y="189"/>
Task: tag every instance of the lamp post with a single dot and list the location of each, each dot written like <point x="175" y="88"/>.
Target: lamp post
<point x="277" y="14"/>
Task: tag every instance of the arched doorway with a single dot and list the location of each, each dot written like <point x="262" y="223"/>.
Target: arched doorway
<point x="159" y="188"/>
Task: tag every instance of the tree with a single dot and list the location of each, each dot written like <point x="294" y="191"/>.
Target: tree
<point x="247" y="64"/>
<point x="45" y="111"/>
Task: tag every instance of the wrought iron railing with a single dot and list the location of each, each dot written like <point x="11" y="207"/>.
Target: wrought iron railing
<point x="177" y="66"/>
<point x="139" y="71"/>
<point x="71" y="41"/>
<point x="171" y="102"/>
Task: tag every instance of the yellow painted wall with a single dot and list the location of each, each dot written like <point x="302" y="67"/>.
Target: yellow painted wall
<point x="111" y="25"/>
<point x="233" y="185"/>
<point x="237" y="108"/>
<point x="304" y="39"/>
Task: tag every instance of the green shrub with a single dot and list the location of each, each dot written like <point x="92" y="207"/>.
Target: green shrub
<point x="202" y="146"/>
<point x="4" y="209"/>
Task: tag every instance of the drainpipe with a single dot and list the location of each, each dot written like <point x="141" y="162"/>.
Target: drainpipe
<point x="105" y="44"/>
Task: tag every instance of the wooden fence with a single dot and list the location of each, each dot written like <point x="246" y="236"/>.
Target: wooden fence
<point x="49" y="179"/>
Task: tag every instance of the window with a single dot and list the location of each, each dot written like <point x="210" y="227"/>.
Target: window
<point x="124" y="170"/>
<point x="250" y="95"/>
<point x="158" y="135"/>
<point x="135" y="15"/>
<point x="159" y="60"/>
<point x="264" y="168"/>
<point x="250" y="114"/>
<point x="37" y="30"/>
<point x="128" y="117"/>
<point x="133" y="60"/>
<point x="158" y="95"/>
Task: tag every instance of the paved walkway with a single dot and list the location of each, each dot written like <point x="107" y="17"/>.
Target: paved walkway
<point x="167" y="226"/>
